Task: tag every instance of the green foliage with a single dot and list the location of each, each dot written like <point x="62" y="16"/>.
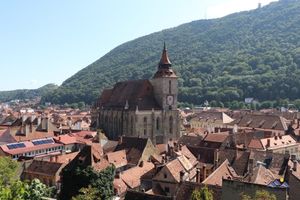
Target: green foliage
<point x="203" y="194"/>
<point x="260" y="195"/>
<point x="6" y="96"/>
<point x="89" y="193"/>
<point x="8" y="170"/>
<point x="13" y="189"/>
<point x="249" y="54"/>
<point x="74" y="180"/>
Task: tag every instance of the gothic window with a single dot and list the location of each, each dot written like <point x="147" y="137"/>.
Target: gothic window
<point x="131" y="125"/>
<point x="170" y="89"/>
<point x="145" y="125"/>
<point x="171" y="125"/>
<point x="157" y="123"/>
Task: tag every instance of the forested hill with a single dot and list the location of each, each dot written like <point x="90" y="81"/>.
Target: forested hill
<point x="247" y="54"/>
<point x="26" y="94"/>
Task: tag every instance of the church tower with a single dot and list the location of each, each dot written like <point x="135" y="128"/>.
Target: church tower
<point x="165" y="83"/>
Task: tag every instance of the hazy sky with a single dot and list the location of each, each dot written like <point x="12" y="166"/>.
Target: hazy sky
<point x="48" y="41"/>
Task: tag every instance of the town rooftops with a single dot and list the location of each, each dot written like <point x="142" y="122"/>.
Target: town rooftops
<point x="272" y="142"/>
<point x="261" y="121"/>
<point x="29" y="146"/>
<point x="132" y="176"/>
<point x="44" y="167"/>
<point x="224" y="171"/>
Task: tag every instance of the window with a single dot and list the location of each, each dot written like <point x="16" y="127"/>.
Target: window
<point x="170" y="89"/>
<point x="131" y="125"/>
<point x="171" y="125"/>
<point x="167" y="189"/>
<point x="157" y="123"/>
<point x="165" y="175"/>
<point x="145" y="125"/>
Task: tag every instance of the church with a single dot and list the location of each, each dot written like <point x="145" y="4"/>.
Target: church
<point x="141" y="108"/>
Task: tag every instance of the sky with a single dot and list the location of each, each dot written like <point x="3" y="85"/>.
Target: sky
<point x="48" y="41"/>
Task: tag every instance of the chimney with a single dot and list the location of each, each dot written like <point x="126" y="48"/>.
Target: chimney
<point x="117" y="175"/>
<point x="204" y="172"/>
<point x="295" y="163"/>
<point x="198" y="176"/>
<point x="293" y="157"/>
<point x="121" y="140"/>
<point x="180" y="147"/>
<point x="162" y="159"/>
<point x="216" y="158"/>
<point x="176" y="147"/>
<point x="39" y="121"/>
<point x="181" y="173"/>
<point x="199" y="157"/>
<point x="268" y="143"/>
<point x="250" y="166"/>
<point x="141" y="164"/>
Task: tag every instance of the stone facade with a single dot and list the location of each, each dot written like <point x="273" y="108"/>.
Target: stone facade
<point x="141" y="108"/>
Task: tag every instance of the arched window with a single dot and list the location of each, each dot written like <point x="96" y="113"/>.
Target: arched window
<point x="157" y="123"/>
<point x="170" y="88"/>
<point x="171" y="125"/>
<point x="131" y="123"/>
<point x="145" y="125"/>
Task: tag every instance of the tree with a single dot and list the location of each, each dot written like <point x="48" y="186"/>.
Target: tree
<point x="74" y="179"/>
<point x="36" y="190"/>
<point x="8" y="170"/>
<point x="259" y="195"/>
<point x="203" y="194"/>
<point x="89" y="193"/>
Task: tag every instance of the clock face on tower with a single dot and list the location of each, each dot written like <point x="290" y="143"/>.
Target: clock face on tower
<point x="170" y="100"/>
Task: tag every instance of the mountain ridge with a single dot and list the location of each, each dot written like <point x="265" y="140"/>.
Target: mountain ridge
<point x="247" y="54"/>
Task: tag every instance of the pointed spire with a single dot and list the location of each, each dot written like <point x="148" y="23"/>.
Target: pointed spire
<point x="164" y="61"/>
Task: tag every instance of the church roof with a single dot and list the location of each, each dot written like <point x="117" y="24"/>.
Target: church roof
<point x="130" y="95"/>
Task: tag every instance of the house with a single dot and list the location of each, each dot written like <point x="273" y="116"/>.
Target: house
<point x="272" y="124"/>
<point x="172" y="174"/>
<point x="45" y="147"/>
<point x="224" y="171"/>
<point x="47" y="172"/>
<point x="278" y="144"/>
<point x="137" y="149"/>
<point x="210" y="120"/>
<point x="234" y="189"/>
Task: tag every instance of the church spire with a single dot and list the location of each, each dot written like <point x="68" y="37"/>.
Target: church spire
<point x="164" y="60"/>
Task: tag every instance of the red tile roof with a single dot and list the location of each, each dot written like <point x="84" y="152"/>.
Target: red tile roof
<point x="118" y="158"/>
<point x="66" y="139"/>
<point x="132" y="176"/>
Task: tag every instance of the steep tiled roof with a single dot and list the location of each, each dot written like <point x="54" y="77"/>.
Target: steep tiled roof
<point x="119" y="186"/>
<point x="255" y="144"/>
<point x="117" y="158"/>
<point x="190" y="141"/>
<point x="64" y="158"/>
<point x="134" y="148"/>
<point x="224" y="171"/>
<point x="44" y="167"/>
<point x="262" y="121"/>
<point x="132" y="94"/>
<point x="6" y="137"/>
<point x="132" y="176"/>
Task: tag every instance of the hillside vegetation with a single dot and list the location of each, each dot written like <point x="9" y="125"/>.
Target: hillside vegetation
<point x="6" y="96"/>
<point x="247" y="54"/>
